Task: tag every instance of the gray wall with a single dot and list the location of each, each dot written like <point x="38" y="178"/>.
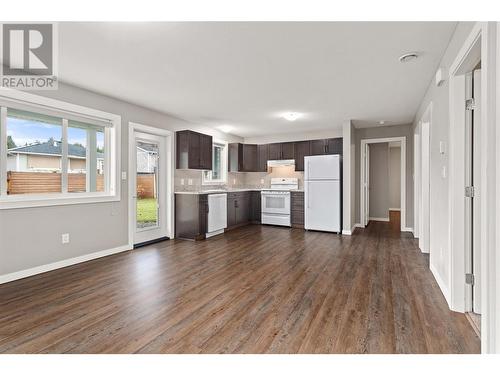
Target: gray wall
<point x="439" y="131"/>
<point x="385" y="132"/>
<point x="31" y="237"/>
<point x="379" y="180"/>
<point x="394" y="177"/>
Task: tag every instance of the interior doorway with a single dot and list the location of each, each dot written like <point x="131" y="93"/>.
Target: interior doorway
<point x="375" y="155"/>
<point x="383" y="175"/>
<point x="472" y="181"/>
<point x="149" y="185"/>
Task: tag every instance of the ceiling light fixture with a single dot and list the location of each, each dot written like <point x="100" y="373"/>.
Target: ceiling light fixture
<point x="225" y="128"/>
<point x="408" y="57"/>
<point x="291" y="116"/>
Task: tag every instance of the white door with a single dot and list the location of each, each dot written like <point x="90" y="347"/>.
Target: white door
<point x="424" y="232"/>
<point x="322" y="167"/>
<point x="322" y="206"/>
<point x="150" y="179"/>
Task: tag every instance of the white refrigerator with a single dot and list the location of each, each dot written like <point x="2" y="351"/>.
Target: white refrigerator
<point x="322" y="204"/>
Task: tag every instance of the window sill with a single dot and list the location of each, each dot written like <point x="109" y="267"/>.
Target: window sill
<point x="45" y="200"/>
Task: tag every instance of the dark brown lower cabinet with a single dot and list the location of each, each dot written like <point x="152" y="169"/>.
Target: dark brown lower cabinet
<point x="191" y="216"/>
<point x="238" y="209"/>
<point x="297" y="209"/>
<point x="255" y="207"/>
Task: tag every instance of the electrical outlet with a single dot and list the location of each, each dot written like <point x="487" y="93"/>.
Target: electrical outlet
<point x="262" y="181"/>
<point x="182" y="181"/>
<point x="190" y="181"/>
<point x="443" y="171"/>
<point x="234" y="181"/>
<point x="65" y="238"/>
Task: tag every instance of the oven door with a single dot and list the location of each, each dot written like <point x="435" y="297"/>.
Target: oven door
<point x="276" y="203"/>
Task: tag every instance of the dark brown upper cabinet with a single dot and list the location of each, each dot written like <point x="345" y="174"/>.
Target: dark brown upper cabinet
<point x="262" y="157"/>
<point x="318" y="147"/>
<point x="242" y="157"/>
<point x="334" y="146"/>
<point x="281" y="151"/>
<point x="302" y="148"/>
<point x="326" y="146"/>
<point x="274" y="151"/>
<point x="287" y="150"/>
<point x="193" y="150"/>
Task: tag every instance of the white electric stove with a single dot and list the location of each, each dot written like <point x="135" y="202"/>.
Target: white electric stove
<point x="276" y="201"/>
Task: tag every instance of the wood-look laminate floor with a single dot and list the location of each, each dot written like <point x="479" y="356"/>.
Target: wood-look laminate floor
<point x="257" y="289"/>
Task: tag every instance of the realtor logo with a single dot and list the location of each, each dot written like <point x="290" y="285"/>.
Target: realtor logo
<point x="28" y="56"/>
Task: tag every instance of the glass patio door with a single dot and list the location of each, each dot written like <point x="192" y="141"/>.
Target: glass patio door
<point x="150" y="192"/>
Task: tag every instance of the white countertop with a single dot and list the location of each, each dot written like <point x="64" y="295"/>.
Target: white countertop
<point x="230" y="190"/>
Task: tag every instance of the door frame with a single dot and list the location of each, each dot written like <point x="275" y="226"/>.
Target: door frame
<point x="419" y="215"/>
<point x="168" y="171"/>
<point x="479" y="45"/>
<point x="364" y="172"/>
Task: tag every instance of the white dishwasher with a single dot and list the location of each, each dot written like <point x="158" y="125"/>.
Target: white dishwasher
<point x="217" y="214"/>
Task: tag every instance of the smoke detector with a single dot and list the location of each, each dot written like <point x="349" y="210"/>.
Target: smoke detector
<point x="408" y="57"/>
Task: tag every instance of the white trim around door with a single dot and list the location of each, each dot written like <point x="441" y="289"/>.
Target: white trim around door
<point x="166" y="228"/>
<point x="480" y="45"/>
<point x="363" y="177"/>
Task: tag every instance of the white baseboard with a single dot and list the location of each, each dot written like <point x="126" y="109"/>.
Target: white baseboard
<point x="379" y="218"/>
<point x="215" y="233"/>
<point x="442" y="285"/>
<point x="394" y="209"/>
<point x="407" y="230"/>
<point x="60" y="264"/>
<point x="350" y="232"/>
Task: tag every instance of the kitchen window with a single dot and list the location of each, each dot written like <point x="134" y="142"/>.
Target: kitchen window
<point x="218" y="174"/>
<point x="54" y="153"/>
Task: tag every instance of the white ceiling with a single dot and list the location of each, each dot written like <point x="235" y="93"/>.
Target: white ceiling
<point x="247" y="74"/>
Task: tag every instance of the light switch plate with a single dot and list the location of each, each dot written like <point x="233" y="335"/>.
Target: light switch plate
<point x="443" y="171"/>
<point x="65" y="238"/>
<point x="124" y="176"/>
<point x="190" y="181"/>
<point x="442" y="147"/>
<point x="182" y="181"/>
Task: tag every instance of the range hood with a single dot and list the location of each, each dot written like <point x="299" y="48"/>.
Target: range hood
<point x="280" y="163"/>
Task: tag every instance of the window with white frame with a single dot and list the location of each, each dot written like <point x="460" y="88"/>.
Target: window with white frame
<point x="56" y="153"/>
<point x="218" y="174"/>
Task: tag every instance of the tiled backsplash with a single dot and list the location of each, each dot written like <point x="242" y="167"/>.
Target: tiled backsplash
<point x="235" y="180"/>
<point x="254" y="179"/>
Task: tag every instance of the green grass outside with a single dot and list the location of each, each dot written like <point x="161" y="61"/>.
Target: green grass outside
<point x="146" y="210"/>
